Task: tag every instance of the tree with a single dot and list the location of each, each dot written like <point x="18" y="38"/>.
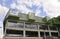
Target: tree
<point x="46" y="20"/>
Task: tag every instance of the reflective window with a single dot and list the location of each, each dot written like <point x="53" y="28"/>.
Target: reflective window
<point x="12" y="24"/>
<point x="34" y="26"/>
<point x="31" y="26"/>
<point x="44" y="27"/>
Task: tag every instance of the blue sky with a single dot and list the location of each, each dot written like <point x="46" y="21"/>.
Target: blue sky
<point x="39" y="7"/>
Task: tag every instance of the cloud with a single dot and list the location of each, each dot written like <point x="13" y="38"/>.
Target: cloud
<point x="52" y="7"/>
<point x="3" y="12"/>
<point x="22" y="6"/>
<point x="13" y="5"/>
<point x="37" y="12"/>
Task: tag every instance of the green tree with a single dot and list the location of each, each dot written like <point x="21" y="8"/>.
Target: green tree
<point x="46" y="20"/>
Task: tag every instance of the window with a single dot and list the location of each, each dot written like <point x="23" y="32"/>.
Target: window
<point x="55" y="34"/>
<point x="20" y="24"/>
<point x="15" y="24"/>
<point x="47" y="33"/>
<point x="31" y="26"/>
<point x="10" y="32"/>
<point x="43" y="27"/>
<point x="11" y="24"/>
<point x="53" y="28"/>
<point x="28" y="25"/>
<point x="42" y="34"/>
<point x="31" y="34"/>
<point x="34" y="26"/>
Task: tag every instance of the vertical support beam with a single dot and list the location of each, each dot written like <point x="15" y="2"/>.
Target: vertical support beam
<point x="38" y="30"/>
<point x="24" y="30"/>
<point x="6" y="27"/>
<point x="49" y="30"/>
<point x="58" y="32"/>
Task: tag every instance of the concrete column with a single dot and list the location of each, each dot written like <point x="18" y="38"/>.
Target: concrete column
<point x="58" y="31"/>
<point x="49" y="30"/>
<point x="6" y="27"/>
<point x="24" y="30"/>
<point x="38" y="31"/>
<point x="44" y="35"/>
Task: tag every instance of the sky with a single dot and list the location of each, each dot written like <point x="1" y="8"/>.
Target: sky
<point x="41" y="8"/>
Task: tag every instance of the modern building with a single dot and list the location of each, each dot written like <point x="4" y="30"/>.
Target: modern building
<point x="27" y="26"/>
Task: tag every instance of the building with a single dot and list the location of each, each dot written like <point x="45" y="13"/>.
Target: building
<point x="27" y="26"/>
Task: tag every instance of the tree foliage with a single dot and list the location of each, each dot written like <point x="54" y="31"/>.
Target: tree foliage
<point x="52" y="21"/>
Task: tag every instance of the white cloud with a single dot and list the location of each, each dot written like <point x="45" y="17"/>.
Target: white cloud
<point x="3" y="12"/>
<point x="13" y="5"/>
<point x="37" y="12"/>
<point x="3" y="9"/>
<point x="22" y="7"/>
<point x="52" y="7"/>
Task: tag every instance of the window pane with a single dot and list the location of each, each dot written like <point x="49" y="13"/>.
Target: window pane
<point x="34" y="26"/>
<point x="44" y="27"/>
<point x="12" y="24"/>
<point x="31" y="34"/>
<point x="10" y="32"/>
<point x="53" y="28"/>
<point x="31" y="26"/>
<point x="42" y="34"/>
<point x="47" y="33"/>
<point x="55" y="34"/>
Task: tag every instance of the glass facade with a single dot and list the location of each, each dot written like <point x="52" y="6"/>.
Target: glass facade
<point x="31" y="33"/>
